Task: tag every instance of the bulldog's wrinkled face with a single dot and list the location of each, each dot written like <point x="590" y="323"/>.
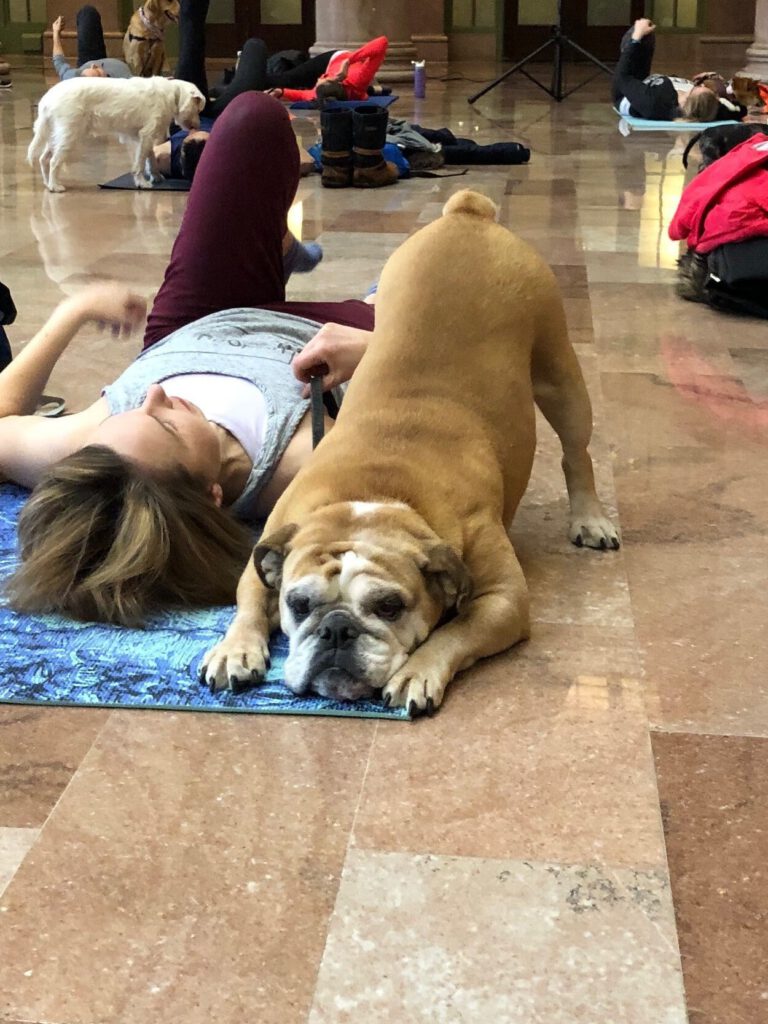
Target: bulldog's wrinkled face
<point x="361" y="586"/>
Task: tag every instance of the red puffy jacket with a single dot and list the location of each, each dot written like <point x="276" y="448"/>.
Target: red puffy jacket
<point x="726" y="202"/>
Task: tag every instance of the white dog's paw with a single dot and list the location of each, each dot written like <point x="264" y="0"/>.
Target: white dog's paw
<point x="54" y="186"/>
<point x="141" y="182"/>
<point x="594" y="532"/>
<point x="235" y="664"/>
<point x="417" y="687"/>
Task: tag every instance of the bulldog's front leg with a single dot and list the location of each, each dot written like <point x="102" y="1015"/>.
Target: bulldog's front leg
<point x="241" y="659"/>
<point x="495" y="619"/>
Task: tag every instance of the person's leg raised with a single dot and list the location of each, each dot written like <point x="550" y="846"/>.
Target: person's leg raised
<point x="228" y="252"/>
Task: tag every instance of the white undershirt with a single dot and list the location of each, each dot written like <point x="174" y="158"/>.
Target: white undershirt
<point x="233" y="403"/>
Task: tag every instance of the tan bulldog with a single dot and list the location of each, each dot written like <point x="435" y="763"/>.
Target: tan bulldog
<point x="387" y="560"/>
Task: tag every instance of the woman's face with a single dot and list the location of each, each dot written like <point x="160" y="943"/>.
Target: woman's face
<point x="162" y="434"/>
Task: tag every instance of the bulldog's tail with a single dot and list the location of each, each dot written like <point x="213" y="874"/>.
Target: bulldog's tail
<point x="475" y="203"/>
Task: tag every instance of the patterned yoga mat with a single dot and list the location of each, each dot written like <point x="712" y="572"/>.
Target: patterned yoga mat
<point x="47" y="659"/>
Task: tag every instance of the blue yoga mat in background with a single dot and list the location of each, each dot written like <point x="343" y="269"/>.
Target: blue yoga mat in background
<point x="371" y="101"/>
<point x="48" y="659"/>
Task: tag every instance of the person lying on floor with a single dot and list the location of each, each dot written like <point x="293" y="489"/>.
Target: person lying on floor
<point x="639" y="93"/>
<point x="138" y="501"/>
<point x="92" y="59"/>
<point x="348" y="75"/>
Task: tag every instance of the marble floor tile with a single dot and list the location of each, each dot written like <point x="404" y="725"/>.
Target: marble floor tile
<point x="15" y="843"/>
<point x="713" y="797"/>
<point x="419" y="938"/>
<point x="534" y="755"/>
<point x="40" y="750"/>
<point x="195" y="859"/>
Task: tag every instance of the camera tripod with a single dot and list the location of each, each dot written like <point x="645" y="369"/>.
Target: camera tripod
<point x="559" y="40"/>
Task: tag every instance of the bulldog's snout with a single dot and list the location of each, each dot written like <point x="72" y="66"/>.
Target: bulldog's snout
<point x="338" y="630"/>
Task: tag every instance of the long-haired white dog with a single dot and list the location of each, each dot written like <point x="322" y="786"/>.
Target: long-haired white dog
<point x="138" y="110"/>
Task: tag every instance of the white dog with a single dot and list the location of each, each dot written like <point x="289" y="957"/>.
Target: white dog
<point x="138" y="110"/>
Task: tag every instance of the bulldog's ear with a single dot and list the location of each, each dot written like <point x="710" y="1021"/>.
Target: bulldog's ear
<point x="269" y="555"/>
<point x="444" y="569"/>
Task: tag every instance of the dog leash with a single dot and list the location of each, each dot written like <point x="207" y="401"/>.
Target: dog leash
<point x="317" y="407"/>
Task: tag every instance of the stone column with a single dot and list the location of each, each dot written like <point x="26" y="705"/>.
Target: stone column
<point x="347" y="24"/>
<point x="757" y="54"/>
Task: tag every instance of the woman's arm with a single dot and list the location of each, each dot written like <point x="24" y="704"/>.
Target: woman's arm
<point x="23" y="380"/>
<point x="364" y="63"/>
<point x="334" y="353"/>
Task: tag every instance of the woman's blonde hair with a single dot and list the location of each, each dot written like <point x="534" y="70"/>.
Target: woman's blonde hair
<point x="101" y="540"/>
<point x="701" y="104"/>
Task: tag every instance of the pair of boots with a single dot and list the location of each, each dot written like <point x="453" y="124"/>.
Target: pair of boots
<point x="351" y="148"/>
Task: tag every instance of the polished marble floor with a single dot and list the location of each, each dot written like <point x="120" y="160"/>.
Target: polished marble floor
<point x="580" y="835"/>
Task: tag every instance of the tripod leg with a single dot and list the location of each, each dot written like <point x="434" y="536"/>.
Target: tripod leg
<point x="511" y="71"/>
<point x="588" y="55"/>
<point x="557" y="70"/>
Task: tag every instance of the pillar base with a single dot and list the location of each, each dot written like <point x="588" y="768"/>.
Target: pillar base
<point x="757" y="62"/>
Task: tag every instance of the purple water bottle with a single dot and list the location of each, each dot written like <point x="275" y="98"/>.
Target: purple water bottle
<point x="419" y="79"/>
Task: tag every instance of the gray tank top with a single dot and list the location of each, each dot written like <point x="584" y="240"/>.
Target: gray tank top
<point x="255" y="344"/>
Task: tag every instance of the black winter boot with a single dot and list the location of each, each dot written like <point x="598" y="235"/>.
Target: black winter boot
<point x="336" y="130"/>
<point x="371" y="170"/>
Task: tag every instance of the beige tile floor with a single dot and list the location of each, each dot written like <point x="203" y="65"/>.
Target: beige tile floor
<point x="509" y="860"/>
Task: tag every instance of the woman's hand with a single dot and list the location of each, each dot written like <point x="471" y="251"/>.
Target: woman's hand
<point x="110" y="304"/>
<point x="277" y="93"/>
<point x="332" y="354"/>
<point x="58" y="25"/>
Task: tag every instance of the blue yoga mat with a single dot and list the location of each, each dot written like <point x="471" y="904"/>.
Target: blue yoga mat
<point x="371" y="101"/>
<point x="48" y="659"/>
<point x="641" y="124"/>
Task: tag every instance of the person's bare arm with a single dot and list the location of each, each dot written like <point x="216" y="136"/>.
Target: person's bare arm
<point x="334" y="353"/>
<point x="23" y="379"/>
<point x="57" y="49"/>
<point x="30" y="444"/>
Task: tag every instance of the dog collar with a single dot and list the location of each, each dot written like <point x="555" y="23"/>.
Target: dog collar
<point x="155" y="31"/>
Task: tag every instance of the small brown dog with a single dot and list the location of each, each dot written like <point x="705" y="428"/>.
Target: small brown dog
<point x="143" y="43"/>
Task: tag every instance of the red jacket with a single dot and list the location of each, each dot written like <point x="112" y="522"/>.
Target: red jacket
<point x="726" y="202"/>
<point x="363" y="65"/>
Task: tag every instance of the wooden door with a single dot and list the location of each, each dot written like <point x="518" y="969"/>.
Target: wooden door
<point x="282" y="24"/>
<point x="597" y="25"/>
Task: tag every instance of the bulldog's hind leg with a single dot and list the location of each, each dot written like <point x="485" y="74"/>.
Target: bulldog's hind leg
<point x="495" y="618"/>
<point x="561" y="394"/>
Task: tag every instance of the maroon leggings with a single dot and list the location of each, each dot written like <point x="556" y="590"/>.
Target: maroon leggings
<point x="228" y="252"/>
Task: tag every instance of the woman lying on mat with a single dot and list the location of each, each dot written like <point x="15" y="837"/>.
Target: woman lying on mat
<point x="639" y="93"/>
<point x="136" y="499"/>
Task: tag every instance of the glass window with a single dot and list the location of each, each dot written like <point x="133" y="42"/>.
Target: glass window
<point x="473" y="13"/>
<point x="537" y="12"/>
<point x="609" y="12"/>
<point x="280" y="12"/>
<point x="676" y="13"/>
<point x="221" y="12"/>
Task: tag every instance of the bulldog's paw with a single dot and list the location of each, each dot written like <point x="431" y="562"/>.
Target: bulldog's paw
<point x="418" y="687"/>
<point x="594" y="532"/>
<point x="235" y="664"/>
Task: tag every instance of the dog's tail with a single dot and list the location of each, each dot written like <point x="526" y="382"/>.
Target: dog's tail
<point x="467" y="201"/>
<point x="689" y="147"/>
<point x="40" y="134"/>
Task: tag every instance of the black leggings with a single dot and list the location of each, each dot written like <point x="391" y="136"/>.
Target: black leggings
<point x="251" y="73"/>
<point x="90" y="36"/>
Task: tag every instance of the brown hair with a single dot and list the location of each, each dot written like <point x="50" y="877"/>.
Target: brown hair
<point x="701" y="104"/>
<point x="101" y="540"/>
<point x="330" y="90"/>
